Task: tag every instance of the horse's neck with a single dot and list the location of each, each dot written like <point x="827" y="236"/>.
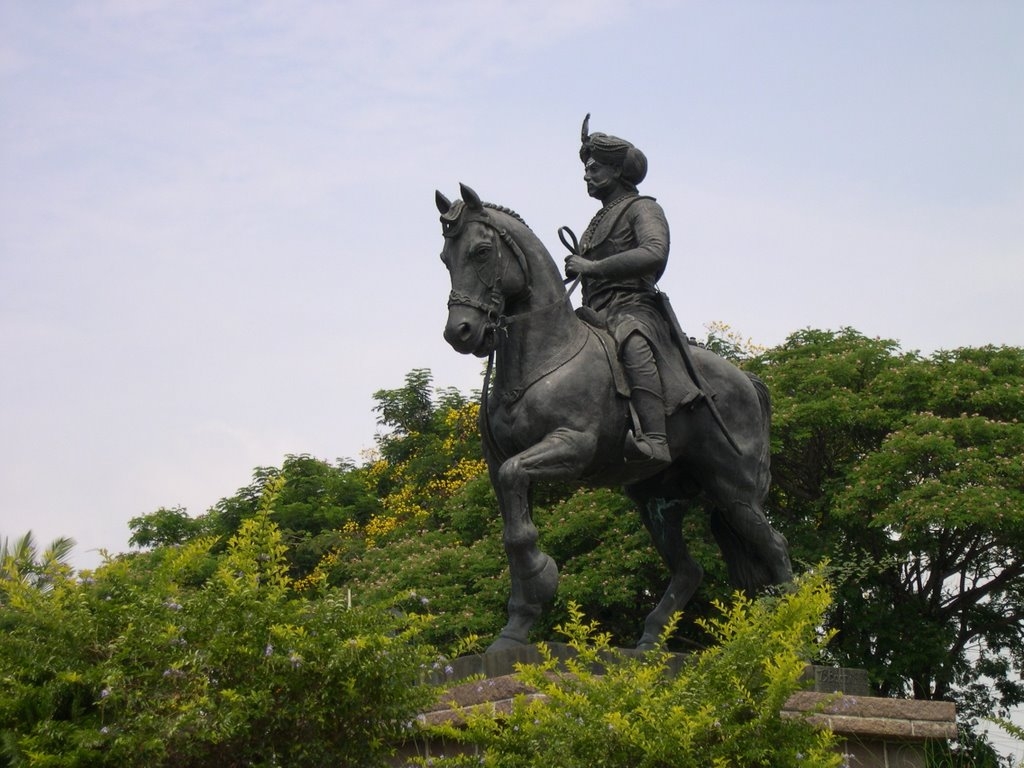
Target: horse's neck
<point x="541" y="332"/>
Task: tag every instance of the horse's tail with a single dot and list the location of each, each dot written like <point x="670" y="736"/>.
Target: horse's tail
<point x="763" y="397"/>
<point x="764" y="457"/>
<point x="754" y="556"/>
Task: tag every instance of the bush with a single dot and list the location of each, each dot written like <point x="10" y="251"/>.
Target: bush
<point x="129" y="668"/>
<point x="721" y="709"/>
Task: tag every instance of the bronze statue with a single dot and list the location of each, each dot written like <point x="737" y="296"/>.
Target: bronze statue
<point x="621" y="257"/>
<point x="556" y="401"/>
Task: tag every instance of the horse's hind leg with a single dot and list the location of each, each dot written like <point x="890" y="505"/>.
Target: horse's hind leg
<point x="663" y="518"/>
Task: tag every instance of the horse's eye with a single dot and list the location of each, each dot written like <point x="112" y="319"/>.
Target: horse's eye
<point x="480" y="251"/>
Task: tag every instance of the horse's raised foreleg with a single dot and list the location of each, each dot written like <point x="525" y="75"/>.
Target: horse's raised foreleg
<point x="663" y="518"/>
<point x="561" y="454"/>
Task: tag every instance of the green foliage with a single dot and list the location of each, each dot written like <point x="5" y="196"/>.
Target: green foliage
<point x="721" y="709"/>
<point x="1014" y="730"/>
<point x="725" y="342"/>
<point x="457" y="573"/>
<point x="133" y="667"/>
<point x="969" y="750"/>
<point x="48" y="671"/>
<point x="165" y="527"/>
<point x="906" y="472"/>
<point x="407" y="411"/>
<point x="21" y="560"/>
<point x="429" y="449"/>
<point x="316" y="500"/>
<point x="414" y="422"/>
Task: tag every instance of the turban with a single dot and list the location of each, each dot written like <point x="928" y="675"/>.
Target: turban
<point x="613" y="151"/>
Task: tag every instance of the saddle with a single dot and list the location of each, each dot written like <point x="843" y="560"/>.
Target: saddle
<point x="679" y="376"/>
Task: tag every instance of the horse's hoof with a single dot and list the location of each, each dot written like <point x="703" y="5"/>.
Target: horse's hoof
<point x="504" y="643"/>
<point x="540" y="588"/>
<point x="646" y="645"/>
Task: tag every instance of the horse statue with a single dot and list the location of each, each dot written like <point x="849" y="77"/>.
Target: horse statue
<point x="555" y="409"/>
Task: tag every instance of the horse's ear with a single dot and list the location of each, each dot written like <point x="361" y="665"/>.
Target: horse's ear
<point x="443" y="203"/>
<point x="470" y="198"/>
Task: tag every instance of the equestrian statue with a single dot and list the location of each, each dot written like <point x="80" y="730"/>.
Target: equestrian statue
<point x="611" y="394"/>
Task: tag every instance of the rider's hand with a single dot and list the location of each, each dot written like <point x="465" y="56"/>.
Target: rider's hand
<point x="576" y="265"/>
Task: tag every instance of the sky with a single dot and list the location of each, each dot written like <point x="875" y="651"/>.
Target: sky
<point x="218" y="236"/>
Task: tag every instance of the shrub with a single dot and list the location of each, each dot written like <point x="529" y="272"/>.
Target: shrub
<point x="129" y="668"/>
<point x="721" y="709"/>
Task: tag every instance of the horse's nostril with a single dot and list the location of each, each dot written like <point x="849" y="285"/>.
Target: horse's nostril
<point x="458" y="333"/>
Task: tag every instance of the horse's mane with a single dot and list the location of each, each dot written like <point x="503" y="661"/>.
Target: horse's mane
<point x="508" y="211"/>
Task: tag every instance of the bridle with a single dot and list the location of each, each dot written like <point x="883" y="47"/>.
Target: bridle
<point x="493" y="305"/>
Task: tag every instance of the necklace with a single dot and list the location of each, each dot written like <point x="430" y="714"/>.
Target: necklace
<point x="599" y="217"/>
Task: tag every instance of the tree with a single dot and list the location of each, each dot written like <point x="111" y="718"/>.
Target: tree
<point x="139" y="667"/>
<point x="428" y="446"/>
<point x="165" y="527"/>
<point x="906" y="472"/>
<point x="317" y="496"/>
<point x="21" y="560"/>
<point x="903" y="469"/>
<point x="316" y="501"/>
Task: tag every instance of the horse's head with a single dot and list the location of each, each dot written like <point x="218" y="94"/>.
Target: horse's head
<point x="487" y="266"/>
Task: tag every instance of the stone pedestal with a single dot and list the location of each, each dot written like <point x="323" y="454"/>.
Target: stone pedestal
<point x="887" y="733"/>
<point x="874" y="732"/>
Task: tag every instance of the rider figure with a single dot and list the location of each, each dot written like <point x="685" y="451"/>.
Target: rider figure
<point x="622" y="254"/>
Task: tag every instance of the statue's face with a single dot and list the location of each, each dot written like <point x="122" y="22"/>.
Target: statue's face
<point x="600" y="178"/>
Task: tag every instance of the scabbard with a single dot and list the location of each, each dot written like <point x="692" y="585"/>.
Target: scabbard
<point x="693" y="368"/>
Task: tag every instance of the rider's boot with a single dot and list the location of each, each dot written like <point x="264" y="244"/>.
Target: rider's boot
<point x="650" y="444"/>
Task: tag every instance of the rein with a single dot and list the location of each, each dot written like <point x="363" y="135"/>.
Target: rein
<point x="493" y="306"/>
<point x="495" y="303"/>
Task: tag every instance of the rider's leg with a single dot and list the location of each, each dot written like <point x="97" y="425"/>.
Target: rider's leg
<point x="651" y="443"/>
